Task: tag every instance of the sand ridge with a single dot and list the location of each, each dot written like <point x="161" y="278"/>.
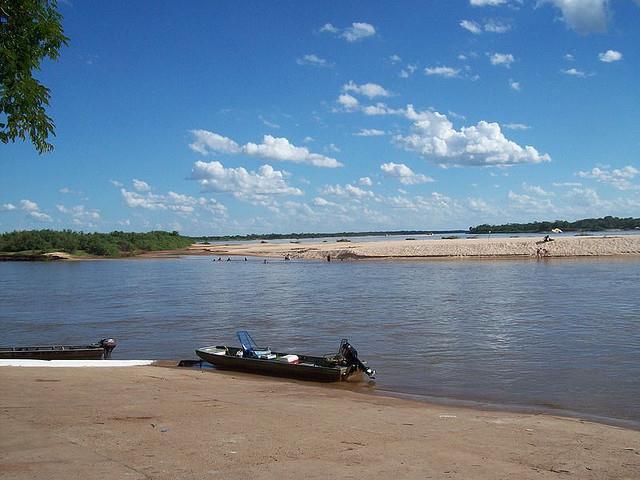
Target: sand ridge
<point x="525" y="247"/>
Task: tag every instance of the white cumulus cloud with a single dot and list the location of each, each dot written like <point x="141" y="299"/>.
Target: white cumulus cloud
<point x="442" y="71"/>
<point x="321" y="202"/>
<point x="313" y="60"/>
<point x="619" y="178"/>
<point x="328" y="27"/>
<point x="80" y="216"/>
<point x="496" y="26"/>
<point x="566" y="184"/>
<point x="583" y="16"/>
<point x="209" y="142"/>
<point x="516" y="126"/>
<point x="40" y="216"/>
<point x="348" y="191"/>
<point x="504" y="59"/>
<point x="281" y="149"/>
<point x="172" y="202"/>
<point x="273" y="148"/>
<point x="434" y="137"/>
<point x="213" y="176"/>
<point x="141" y="186"/>
<point x="483" y="144"/>
<point x="574" y="72"/>
<point x="610" y="56"/>
<point x="149" y="201"/>
<point x="33" y="210"/>
<point x="484" y="3"/>
<point x="404" y="174"/>
<point x="490" y="26"/>
<point x="369" y="132"/>
<point x="29" y="206"/>
<point x="370" y="90"/>
<point x="378" y="109"/>
<point x="7" y="207"/>
<point x="536" y="190"/>
<point x="471" y="26"/>
<point x="408" y="70"/>
<point x="513" y="85"/>
<point x="357" y="31"/>
<point x="349" y="102"/>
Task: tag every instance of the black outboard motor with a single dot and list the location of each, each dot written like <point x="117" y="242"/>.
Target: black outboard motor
<point x="108" y="344"/>
<point x="350" y="355"/>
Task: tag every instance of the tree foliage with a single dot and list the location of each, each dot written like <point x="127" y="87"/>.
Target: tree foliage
<point x="100" y="244"/>
<point x="30" y="30"/>
<point x="587" y="224"/>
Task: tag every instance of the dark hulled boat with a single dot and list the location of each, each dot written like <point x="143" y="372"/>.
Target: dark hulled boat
<point x="95" y="351"/>
<point x="249" y="358"/>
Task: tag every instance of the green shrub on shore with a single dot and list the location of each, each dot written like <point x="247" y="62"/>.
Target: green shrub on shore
<point x="112" y="244"/>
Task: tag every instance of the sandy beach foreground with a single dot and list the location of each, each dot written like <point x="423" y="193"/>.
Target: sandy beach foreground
<point x="523" y="247"/>
<point x="167" y="423"/>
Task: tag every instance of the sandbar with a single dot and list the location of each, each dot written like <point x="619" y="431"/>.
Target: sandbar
<point x="496" y="247"/>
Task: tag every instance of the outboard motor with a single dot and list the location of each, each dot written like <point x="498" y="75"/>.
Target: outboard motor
<point x="108" y="344"/>
<point x="350" y="355"/>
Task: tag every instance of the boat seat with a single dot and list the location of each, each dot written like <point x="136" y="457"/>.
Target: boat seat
<point x="250" y="349"/>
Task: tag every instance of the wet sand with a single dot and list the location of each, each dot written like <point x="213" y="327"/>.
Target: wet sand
<point x="522" y="247"/>
<point x="168" y="423"/>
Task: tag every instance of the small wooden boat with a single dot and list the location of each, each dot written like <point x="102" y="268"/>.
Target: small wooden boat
<point x="95" y="351"/>
<point x="249" y="358"/>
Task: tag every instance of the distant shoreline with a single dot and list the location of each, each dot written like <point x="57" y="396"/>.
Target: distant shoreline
<point x="453" y="248"/>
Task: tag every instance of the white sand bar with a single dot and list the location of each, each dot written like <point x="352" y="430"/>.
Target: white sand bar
<point x="75" y="363"/>
<point x="520" y="247"/>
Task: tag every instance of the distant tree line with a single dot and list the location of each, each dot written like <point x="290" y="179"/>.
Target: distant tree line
<point x="587" y="224"/>
<point x="280" y="236"/>
<point x="100" y="244"/>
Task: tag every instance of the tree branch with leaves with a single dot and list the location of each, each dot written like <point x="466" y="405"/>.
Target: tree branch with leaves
<point x="30" y="31"/>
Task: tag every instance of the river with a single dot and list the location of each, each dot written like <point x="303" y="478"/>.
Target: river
<point x="559" y="334"/>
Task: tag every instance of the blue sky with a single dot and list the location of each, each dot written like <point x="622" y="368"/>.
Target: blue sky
<point x="236" y="116"/>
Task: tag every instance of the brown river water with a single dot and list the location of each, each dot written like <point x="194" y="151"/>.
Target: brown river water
<point x="559" y="335"/>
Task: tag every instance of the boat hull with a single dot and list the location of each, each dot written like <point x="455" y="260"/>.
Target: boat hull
<point x="307" y="369"/>
<point x="56" y="352"/>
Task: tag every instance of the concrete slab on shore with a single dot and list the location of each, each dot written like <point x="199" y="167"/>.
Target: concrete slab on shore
<point x="73" y="363"/>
